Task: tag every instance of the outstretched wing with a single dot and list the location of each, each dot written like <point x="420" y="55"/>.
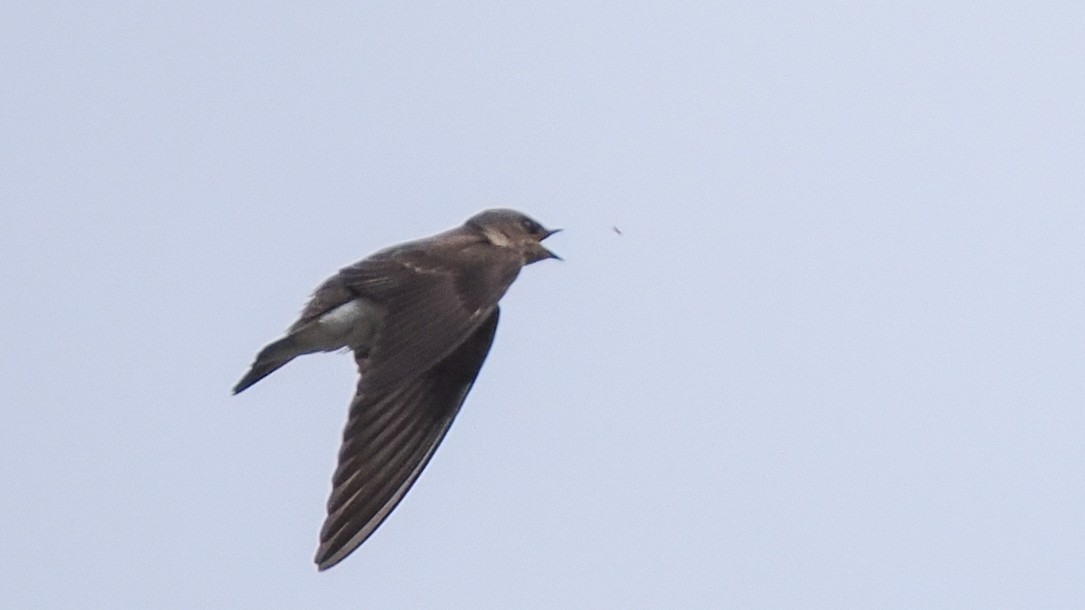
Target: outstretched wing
<point x="432" y="306"/>
<point x="391" y="436"/>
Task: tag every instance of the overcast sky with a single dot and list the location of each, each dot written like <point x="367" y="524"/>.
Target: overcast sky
<point x="834" y="358"/>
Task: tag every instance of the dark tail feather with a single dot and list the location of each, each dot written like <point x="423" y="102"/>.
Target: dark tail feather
<point x="270" y="359"/>
<point x="256" y="373"/>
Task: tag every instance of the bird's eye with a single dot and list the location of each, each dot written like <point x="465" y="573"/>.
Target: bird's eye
<point x="530" y="226"/>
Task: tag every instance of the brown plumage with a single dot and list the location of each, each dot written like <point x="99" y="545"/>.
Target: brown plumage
<point x="420" y="318"/>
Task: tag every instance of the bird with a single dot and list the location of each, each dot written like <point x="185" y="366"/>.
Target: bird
<point x="420" y="318"/>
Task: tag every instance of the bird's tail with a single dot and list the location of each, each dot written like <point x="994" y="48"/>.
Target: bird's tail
<point x="269" y="360"/>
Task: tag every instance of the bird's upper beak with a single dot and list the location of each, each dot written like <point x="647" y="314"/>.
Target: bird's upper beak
<point x="539" y="252"/>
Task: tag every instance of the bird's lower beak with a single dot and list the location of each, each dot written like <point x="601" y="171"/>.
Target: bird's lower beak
<point x="544" y="253"/>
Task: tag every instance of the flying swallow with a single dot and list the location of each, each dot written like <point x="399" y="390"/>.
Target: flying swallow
<point x="420" y="318"/>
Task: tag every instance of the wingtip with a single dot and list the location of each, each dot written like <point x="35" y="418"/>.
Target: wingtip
<point x="325" y="560"/>
<point x="332" y="551"/>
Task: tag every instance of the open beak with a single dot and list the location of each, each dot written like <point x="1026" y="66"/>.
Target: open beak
<point x="544" y="252"/>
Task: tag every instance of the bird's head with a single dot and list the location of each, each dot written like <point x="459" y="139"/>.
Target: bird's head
<point x="511" y="229"/>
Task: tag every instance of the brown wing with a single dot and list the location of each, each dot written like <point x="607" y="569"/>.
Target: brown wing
<point x="389" y="439"/>
<point x="433" y="305"/>
<point x="329" y="295"/>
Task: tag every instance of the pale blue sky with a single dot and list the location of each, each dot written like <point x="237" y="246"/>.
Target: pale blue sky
<point x="834" y="360"/>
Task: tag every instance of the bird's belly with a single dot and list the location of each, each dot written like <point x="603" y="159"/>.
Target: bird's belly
<point x="352" y="325"/>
